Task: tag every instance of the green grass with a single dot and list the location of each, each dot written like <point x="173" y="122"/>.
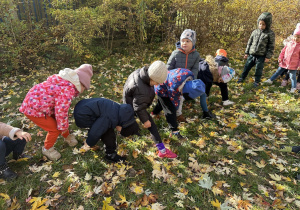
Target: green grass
<point x="243" y="135"/>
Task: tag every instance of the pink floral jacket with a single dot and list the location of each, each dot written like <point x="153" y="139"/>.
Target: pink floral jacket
<point x="52" y="97"/>
<point x="290" y="56"/>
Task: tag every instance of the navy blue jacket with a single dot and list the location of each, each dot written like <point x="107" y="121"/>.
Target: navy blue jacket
<point x="204" y="73"/>
<point x="100" y="114"/>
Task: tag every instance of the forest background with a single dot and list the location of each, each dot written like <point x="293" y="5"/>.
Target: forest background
<point x="233" y="162"/>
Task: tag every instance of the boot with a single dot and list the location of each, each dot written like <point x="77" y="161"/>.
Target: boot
<point x="71" y="140"/>
<point x="208" y="115"/>
<point x="114" y="157"/>
<point x="6" y="173"/>
<point x="177" y="135"/>
<point x="51" y="153"/>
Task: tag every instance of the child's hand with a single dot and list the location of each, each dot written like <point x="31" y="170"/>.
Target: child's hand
<point x="298" y="68"/>
<point x="245" y="56"/>
<point x="147" y="124"/>
<point x="23" y="135"/>
<point x="279" y="60"/>
<point x="267" y="60"/>
<point x="220" y="80"/>
<point x="119" y="128"/>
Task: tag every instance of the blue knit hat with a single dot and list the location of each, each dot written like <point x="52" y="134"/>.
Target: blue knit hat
<point x="194" y="88"/>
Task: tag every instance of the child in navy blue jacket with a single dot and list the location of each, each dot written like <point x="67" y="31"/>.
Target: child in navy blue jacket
<point x="101" y="116"/>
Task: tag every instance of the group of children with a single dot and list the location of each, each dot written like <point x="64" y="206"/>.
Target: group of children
<point x="185" y="76"/>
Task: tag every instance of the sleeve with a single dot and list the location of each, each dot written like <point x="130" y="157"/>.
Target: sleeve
<point x="271" y="45"/>
<point x="7" y="130"/>
<point x="62" y="104"/>
<point x="128" y="95"/>
<point x="100" y="126"/>
<point x="195" y="68"/>
<point x="281" y="55"/>
<point x="171" y="62"/>
<point x="140" y="108"/>
<point x="249" y="43"/>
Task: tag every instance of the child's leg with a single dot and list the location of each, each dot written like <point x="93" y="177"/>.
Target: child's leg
<point x="249" y="64"/>
<point x="154" y="131"/>
<point x="48" y="124"/>
<point x="158" y="108"/>
<point x="277" y="73"/>
<point x="293" y="78"/>
<point x="287" y="75"/>
<point x="203" y="103"/>
<point x="2" y="152"/>
<point x="170" y="112"/>
<point x="298" y="78"/>
<point x="224" y="90"/>
<point x="207" y="88"/>
<point x="260" y="61"/>
<point x="110" y="141"/>
<point x="16" y="146"/>
<point x="179" y="110"/>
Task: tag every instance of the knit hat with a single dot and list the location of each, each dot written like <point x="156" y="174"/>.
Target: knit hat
<point x="85" y="72"/>
<point x="158" y="71"/>
<point x="221" y="52"/>
<point x="297" y="30"/>
<point x="132" y="129"/>
<point x="189" y="34"/>
<point x="194" y="88"/>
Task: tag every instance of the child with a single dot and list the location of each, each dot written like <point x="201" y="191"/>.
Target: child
<point x="139" y="93"/>
<point x="11" y="140"/>
<point x="179" y="83"/>
<point x="101" y="116"/>
<point x="260" y="48"/>
<point x="47" y="105"/>
<point x="209" y="74"/>
<point x="185" y="56"/>
<point x="289" y="59"/>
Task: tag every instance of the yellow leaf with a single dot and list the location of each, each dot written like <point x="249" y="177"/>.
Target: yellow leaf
<point x="275" y="177"/>
<point x="106" y="205"/>
<point x="232" y="125"/>
<point x="56" y="174"/>
<point x="216" y="204"/>
<point x="261" y="164"/>
<point x="264" y="130"/>
<point x="241" y="171"/>
<point x="123" y="199"/>
<point x="135" y="153"/>
<point x="5" y="196"/>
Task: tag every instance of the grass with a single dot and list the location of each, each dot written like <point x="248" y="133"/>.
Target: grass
<point x="239" y="151"/>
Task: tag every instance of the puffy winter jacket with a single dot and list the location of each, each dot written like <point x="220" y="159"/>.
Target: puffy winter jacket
<point x="52" y="97"/>
<point x="138" y="93"/>
<point x="262" y="42"/>
<point x="179" y="59"/>
<point x="204" y="72"/>
<point x="290" y="56"/>
<point x="171" y="87"/>
<point x="100" y="114"/>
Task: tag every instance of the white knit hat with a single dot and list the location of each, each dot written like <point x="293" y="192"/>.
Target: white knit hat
<point x="158" y="71"/>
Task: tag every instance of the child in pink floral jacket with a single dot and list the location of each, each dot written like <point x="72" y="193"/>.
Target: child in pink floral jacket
<point x="47" y="105"/>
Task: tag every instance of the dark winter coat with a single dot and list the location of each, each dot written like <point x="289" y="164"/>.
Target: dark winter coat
<point x="262" y="42"/>
<point x="222" y="60"/>
<point x="100" y="114"/>
<point x="179" y="59"/>
<point x="138" y="93"/>
<point x="204" y="72"/>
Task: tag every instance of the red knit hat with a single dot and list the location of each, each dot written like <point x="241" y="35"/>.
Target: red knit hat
<point x="85" y="72"/>
<point x="297" y="30"/>
<point x="221" y="52"/>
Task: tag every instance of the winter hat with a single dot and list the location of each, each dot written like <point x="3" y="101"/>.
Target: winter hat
<point x="194" y="88"/>
<point x="189" y="34"/>
<point x="297" y="30"/>
<point x="158" y="71"/>
<point x="221" y="52"/>
<point x="132" y="129"/>
<point x="85" y="72"/>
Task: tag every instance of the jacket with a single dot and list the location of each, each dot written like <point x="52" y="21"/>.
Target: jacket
<point x="100" y="114"/>
<point x="52" y="97"/>
<point x="204" y="72"/>
<point x="7" y="130"/>
<point x="290" y="56"/>
<point x="173" y="85"/>
<point x="138" y="93"/>
<point x="262" y="42"/>
<point x="179" y="59"/>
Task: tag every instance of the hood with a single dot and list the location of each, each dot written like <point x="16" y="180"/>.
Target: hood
<point x="126" y="115"/>
<point x="267" y="18"/>
<point x="143" y="73"/>
<point x="221" y="58"/>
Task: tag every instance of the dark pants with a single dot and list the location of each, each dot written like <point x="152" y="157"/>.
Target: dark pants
<point x="296" y="149"/>
<point x="252" y="60"/>
<point x="223" y="87"/>
<point x="110" y="141"/>
<point x="164" y="103"/>
<point x="154" y="131"/>
<point x="287" y="76"/>
<point x="8" y="145"/>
